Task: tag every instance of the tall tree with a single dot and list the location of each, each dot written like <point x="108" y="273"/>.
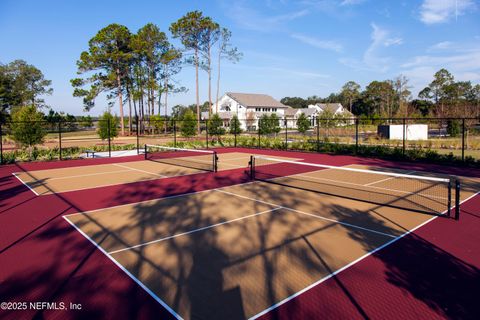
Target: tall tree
<point x="108" y="56"/>
<point x="436" y="90"/>
<point x="380" y="95"/>
<point x="351" y="92"/>
<point x="22" y="84"/>
<point x="171" y="62"/>
<point x="189" y="29"/>
<point x="210" y="35"/>
<point x="402" y="89"/>
<point x="225" y="51"/>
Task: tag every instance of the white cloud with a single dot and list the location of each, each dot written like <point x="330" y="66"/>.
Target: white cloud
<point x="440" y="11"/>
<point x="463" y="63"/>
<point x="372" y="56"/>
<point x="441" y="46"/>
<point x="251" y="19"/>
<point x="318" y="43"/>
<point x="351" y="2"/>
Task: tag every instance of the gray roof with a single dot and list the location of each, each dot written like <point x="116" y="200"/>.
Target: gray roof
<point x="308" y="111"/>
<point x="332" y="107"/>
<point x="290" y="111"/>
<point x="255" y="100"/>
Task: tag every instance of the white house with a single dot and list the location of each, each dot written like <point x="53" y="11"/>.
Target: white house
<point x="248" y="107"/>
<point x="317" y="110"/>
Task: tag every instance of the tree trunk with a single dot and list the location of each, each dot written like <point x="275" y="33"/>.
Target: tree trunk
<point x="209" y="81"/>
<point x="218" y="78"/>
<point x="166" y="98"/>
<point x="196" y="91"/>
<point x="129" y="115"/>
<point x="120" y="100"/>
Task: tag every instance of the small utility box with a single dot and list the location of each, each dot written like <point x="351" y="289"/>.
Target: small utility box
<point x="395" y="131"/>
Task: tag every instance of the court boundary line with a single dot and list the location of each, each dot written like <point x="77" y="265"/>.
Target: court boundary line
<point x="25" y="184"/>
<point x="385" y="173"/>
<point x="309" y="214"/>
<point x="119" y="265"/>
<point x="143" y="286"/>
<point x="140" y="170"/>
<point x="194" y="230"/>
<point x="386" y="179"/>
<point x="125" y="183"/>
<point x="331" y="275"/>
<point x="88" y="174"/>
<point x="156" y="199"/>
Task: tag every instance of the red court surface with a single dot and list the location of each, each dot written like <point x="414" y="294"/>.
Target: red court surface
<point x="430" y="273"/>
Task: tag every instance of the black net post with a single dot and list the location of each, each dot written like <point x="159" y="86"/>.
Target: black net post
<point x="404" y="134"/>
<point x="175" y="133"/>
<point x="215" y="161"/>
<point x="356" y="135"/>
<point x="206" y="131"/>
<point x="60" y="139"/>
<point x="457" y="199"/>
<point x="463" y="139"/>
<point x="145" y="152"/>
<point x="258" y="142"/>
<point x="1" y="142"/>
<point x="449" y="201"/>
<point x="235" y="135"/>
<point x="109" y="139"/>
<point x="251" y="167"/>
<point x="137" y="133"/>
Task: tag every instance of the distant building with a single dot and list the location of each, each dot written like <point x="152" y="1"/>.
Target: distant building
<point x="248" y="107"/>
<point x="317" y="110"/>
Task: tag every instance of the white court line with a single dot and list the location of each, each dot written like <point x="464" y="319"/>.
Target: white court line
<point x="87" y="175"/>
<point x="123" y="183"/>
<point x="348" y="265"/>
<point x="139" y="170"/>
<point x="24" y="183"/>
<point x="137" y="281"/>
<point x="158" y="199"/>
<point x="386" y="179"/>
<point x="361" y="185"/>
<point x="193" y="231"/>
<point x="309" y="214"/>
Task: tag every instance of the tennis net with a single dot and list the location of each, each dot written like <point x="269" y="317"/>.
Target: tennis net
<point x="189" y="158"/>
<point x="426" y="194"/>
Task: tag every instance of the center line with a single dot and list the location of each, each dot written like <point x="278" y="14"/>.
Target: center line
<point x="192" y="231"/>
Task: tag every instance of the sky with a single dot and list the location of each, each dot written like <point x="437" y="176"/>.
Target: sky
<point x="290" y="48"/>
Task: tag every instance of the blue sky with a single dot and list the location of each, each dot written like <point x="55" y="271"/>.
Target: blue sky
<point x="291" y="48"/>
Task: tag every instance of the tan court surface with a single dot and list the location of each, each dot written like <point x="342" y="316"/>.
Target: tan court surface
<point x="232" y="252"/>
<point x="87" y="177"/>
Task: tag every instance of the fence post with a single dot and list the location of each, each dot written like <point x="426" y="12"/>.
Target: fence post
<point x="356" y="134"/>
<point x="137" y="133"/>
<point x="318" y="134"/>
<point x="109" y="140"/>
<point x="175" y="133"/>
<point x="206" y="131"/>
<point x="235" y="135"/>
<point x="1" y="143"/>
<point x="463" y="139"/>
<point x="60" y="138"/>
<point x="258" y="142"/>
<point x="286" y="132"/>
<point x="404" y="129"/>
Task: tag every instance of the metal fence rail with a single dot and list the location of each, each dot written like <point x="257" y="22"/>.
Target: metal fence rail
<point x="63" y="140"/>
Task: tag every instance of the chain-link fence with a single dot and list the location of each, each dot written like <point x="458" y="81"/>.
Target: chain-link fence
<point x="433" y="138"/>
